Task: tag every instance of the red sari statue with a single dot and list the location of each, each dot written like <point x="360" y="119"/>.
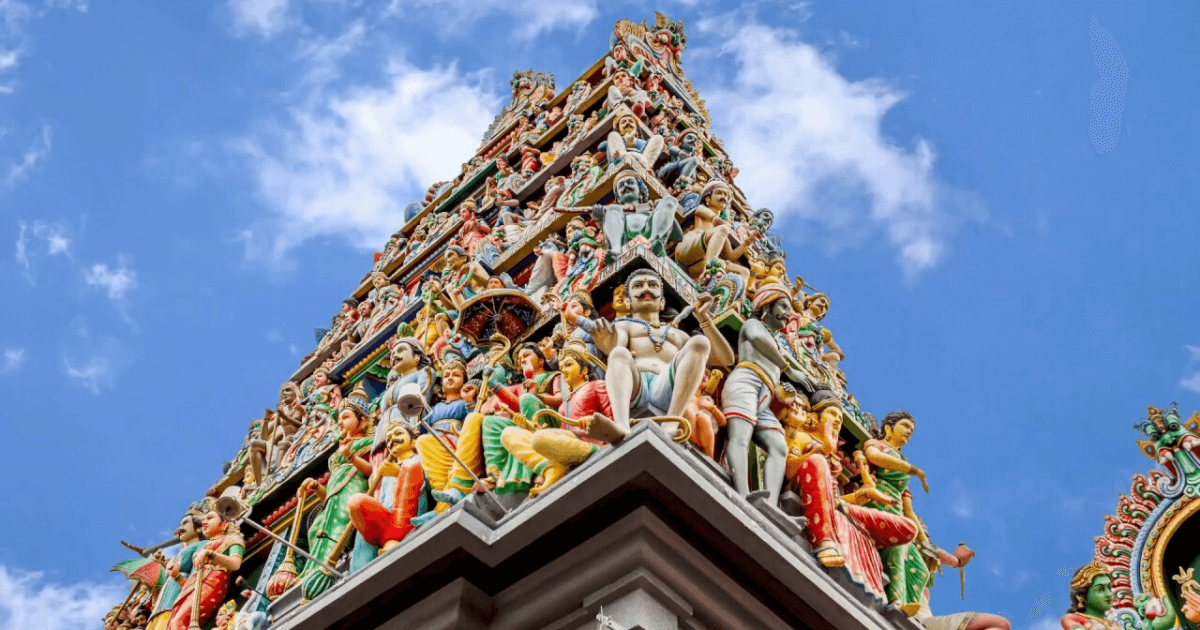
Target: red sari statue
<point x="214" y="563"/>
<point x="842" y="531"/>
<point x="379" y="525"/>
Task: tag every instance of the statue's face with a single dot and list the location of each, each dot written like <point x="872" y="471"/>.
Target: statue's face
<point x="819" y="307"/>
<point x="213" y="525"/>
<point x="186" y="528"/>
<point x="779" y="269"/>
<point x="831" y="421"/>
<point x="627" y="190"/>
<point x="1099" y="594"/>
<point x="572" y="371"/>
<point x="646" y="294"/>
<point x="719" y="199"/>
<point x="321" y="379"/>
<point x="453" y="379"/>
<point x="403" y="357"/>
<point x="379" y="281"/>
<point x="620" y="300"/>
<point x="546" y="345"/>
<point x="900" y="433"/>
<point x="777" y="313"/>
<point x="575" y="306"/>
<point x="454" y="260"/>
<point x="399" y="441"/>
<point x="531" y="363"/>
<point x="348" y="421"/>
<point x="688" y="142"/>
<point x="627" y="126"/>
<point x="495" y="283"/>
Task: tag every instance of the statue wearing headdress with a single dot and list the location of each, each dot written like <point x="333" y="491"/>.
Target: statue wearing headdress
<point x="712" y="236"/>
<point x="213" y="565"/>
<point x="843" y="531"/>
<point x="330" y="531"/>
<point x="751" y="386"/>
<point x="633" y="217"/>
<point x="446" y="417"/>
<point x="383" y="525"/>
<point x="179" y="567"/>
<point x="548" y="444"/>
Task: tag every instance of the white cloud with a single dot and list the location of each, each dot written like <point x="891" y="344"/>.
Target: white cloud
<point x="809" y="145"/>
<point x="531" y="17"/>
<point x="1191" y="373"/>
<point x="264" y="18"/>
<point x="29" y="602"/>
<point x="962" y="506"/>
<point x="36" y="153"/>
<point x="93" y="373"/>
<point x="13" y="358"/>
<point x="115" y="282"/>
<point x="78" y="5"/>
<point x="346" y="164"/>
<point x="53" y="235"/>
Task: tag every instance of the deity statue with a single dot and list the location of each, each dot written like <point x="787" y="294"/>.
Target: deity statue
<point x="409" y="364"/>
<point x="473" y="229"/>
<point x="548" y="270"/>
<point x="382" y="525"/>
<point x="653" y="367"/>
<point x="624" y="145"/>
<point x="579" y="91"/>
<point x="585" y="174"/>
<point x="541" y="387"/>
<point x="1092" y="598"/>
<point x="446" y="417"/>
<point x="750" y="388"/>
<point x="180" y="566"/>
<point x="681" y="165"/>
<point x="585" y="262"/>
<point x="843" y="531"/>
<point x="904" y="564"/>
<point x="462" y="278"/>
<point x="711" y="236"/>
<point x="624" y="91"/>
<point x="550" y="448"/>
<point x="632" y="217"/>
<point x="213" y="566"/>
<point x="319" y="389"/>
<point x="579" y="317"/>
<point x="330" y="533"/>
<point x="620" y="301"/>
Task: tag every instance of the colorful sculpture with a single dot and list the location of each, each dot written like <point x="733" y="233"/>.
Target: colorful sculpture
<point x="532" y="328"/>
<point x="213" y="563"/>
<point x="330" y="532"/>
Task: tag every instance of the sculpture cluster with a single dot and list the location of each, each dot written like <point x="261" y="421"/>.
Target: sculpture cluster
<point x="594" y="265"/>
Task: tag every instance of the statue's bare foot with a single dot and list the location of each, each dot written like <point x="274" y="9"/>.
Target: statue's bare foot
<point x="603" y="429"/>
<point x="550" y="476"/>
<point x="829" y="555"/>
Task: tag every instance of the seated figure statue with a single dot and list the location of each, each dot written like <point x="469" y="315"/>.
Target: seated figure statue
<point x="624" y="145"/>
<point x="633" y="217"/>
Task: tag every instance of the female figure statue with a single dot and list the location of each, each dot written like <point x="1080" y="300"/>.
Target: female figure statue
<point x="904" y="564"/>
<point x="1092" y="598"/>
<point x="348" y="469"/>
<point x="214" y="563"/>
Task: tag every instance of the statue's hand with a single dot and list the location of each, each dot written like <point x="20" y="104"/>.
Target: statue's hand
<point x="964" y="555"/>
<point x="604" y="335"/>
<point x="703" y="301"/>
<point x="920" y="474"/>
<point x="877" y="495"/>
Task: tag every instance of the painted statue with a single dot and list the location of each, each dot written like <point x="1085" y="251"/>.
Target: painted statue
<point x="179" y="567"/>
<point x="378" y="524"/>
<point x="1092" y="599"/>
<point x="904" y="564"/>
<point x="551" y="447"/>
<point x="446" y="418"/>
<point x="712" y="236"/>
<point x="541" y="388"/>
<point x="330" y="532"/>
<point x="653" y="367"/>
<point x="844" y="530"/>
<point x="633" y="218"/>
<point x="750" y="388"/>
<point x="624" y="145"/>
<point x="213" y="566"/>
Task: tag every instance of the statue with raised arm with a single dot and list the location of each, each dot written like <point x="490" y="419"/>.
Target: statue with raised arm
<point x="654" y="368"/>
<point x="752" y="385"/>
<point x="624" y="145"/>
<point x="632" y="217"/>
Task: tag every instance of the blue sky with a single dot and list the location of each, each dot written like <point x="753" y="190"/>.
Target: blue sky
<point x="187" y="189"/>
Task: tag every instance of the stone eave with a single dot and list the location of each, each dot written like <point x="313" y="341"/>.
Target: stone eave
<point x="646" y="478"/>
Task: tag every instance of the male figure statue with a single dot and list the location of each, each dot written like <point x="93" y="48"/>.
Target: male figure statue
<point x="624" y="145"/>
<point x="751" y="386"/>
<point x="632" y="217"/>
<point x="653" y="368"/>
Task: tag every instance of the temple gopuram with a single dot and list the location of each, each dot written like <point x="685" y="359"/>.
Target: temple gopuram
<point x="1143" y="574"/>
<point x="578" y="389"/>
